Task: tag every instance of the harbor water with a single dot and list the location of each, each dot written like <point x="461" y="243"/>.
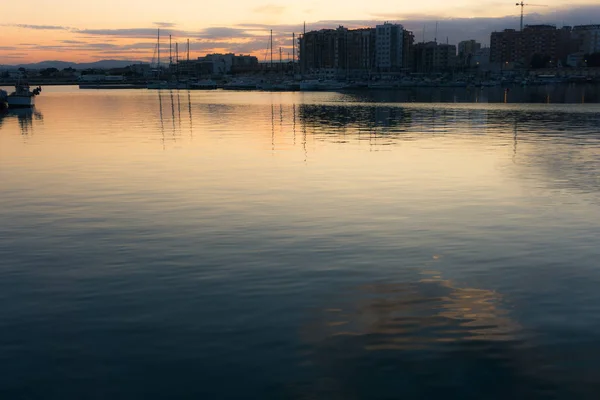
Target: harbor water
<point x="229" y="245"/>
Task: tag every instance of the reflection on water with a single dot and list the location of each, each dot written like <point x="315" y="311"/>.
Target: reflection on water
<point x="24" y="117"/>
<point x="431" y="339"/>
<point x="422" y="315"/>
<point x="173" y="244"/>
<point x="513" y="94"/>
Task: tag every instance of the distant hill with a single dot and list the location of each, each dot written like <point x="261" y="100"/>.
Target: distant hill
<point x="102" y="64"/>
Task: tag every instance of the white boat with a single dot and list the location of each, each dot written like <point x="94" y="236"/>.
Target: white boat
<point x="22" y="96"/>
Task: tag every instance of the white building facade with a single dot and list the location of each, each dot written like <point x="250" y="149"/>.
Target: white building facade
<point x="389" y="40"/>
<point x="589" y="38"/>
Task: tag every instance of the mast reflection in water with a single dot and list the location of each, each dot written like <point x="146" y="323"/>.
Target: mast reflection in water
<point x="300" y="245"/>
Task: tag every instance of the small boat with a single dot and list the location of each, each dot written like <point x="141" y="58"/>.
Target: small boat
<point x="23" y="96"/>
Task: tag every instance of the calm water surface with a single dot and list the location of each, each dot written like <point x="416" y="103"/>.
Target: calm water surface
<point x="213" y="245"/>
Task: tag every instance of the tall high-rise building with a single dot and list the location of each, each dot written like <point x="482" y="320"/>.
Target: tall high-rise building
<point x="466" y="50"/>
<point x="334" y="52"/>
<point x="389" y="41"/>
<point x="433" y="57"/>
<point x="407" y="50"/>
<point x="361" y="52"/>
<point x="545" y="41"/>
<point x="360" y="44"/>
<point x="588" y="38"/>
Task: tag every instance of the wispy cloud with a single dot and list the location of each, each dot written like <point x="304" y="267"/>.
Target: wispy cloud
<point x="223" y="33"/>
<point x="123" y="33"/>
<point x="165" y="24"/>
<point x="39" y="27"/>
<point x="253" y="38"/>
<point x="15" y="55"/>
<point x="270" y="9"/>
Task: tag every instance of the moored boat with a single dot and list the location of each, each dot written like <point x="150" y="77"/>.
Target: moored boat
<point x="23" y="96"/>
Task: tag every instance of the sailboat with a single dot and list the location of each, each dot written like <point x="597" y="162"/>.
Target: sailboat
<point x="157" y="83"/>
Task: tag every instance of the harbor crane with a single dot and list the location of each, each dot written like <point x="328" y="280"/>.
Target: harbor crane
<point x="528" y="5"/>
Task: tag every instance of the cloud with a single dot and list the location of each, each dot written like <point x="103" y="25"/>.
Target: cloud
<point x="271" y="9"/>
<point x="222" y="33"/>
<point x="39" y="27"/>
<point x="15" y="55"/>
<point x="253" y="38"/>
<point x="165" y="24"/>
<point x="128" y="33"/>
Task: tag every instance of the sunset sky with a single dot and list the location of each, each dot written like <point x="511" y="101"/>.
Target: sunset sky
<point x="77" y="31"/>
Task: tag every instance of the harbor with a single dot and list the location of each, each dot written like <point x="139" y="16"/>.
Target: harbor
<point x="152" y="237"/>
<point x="331" y="200"/>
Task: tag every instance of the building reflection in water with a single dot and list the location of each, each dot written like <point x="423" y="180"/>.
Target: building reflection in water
<point x="423" y="339"/>
<point x="419" y="315"/>
<point x="575" y="93"/>
<point x="25" y="118"/>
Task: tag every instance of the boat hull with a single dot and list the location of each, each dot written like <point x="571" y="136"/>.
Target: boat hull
<point x="21" y="101"/>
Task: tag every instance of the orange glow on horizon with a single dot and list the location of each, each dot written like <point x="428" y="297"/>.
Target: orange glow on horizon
<point x="59" y="30"/>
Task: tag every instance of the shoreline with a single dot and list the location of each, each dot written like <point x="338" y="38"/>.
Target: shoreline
<point x="391" y="87"/>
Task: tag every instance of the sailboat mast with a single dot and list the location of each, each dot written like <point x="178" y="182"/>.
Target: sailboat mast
<point x="177" y="58"/>
<point x="271" y="49"/>
<point x="170" y="55"/>
<point x="158" y="49"/>
<point x="293" y="48"/>
<point x="188" y="50"/>
<point x="302" y="55"/>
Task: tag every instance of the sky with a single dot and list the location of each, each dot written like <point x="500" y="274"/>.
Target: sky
<point x="76" y="31"/>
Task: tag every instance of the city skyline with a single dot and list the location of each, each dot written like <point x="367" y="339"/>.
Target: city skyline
<point x="82" y="34"/>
